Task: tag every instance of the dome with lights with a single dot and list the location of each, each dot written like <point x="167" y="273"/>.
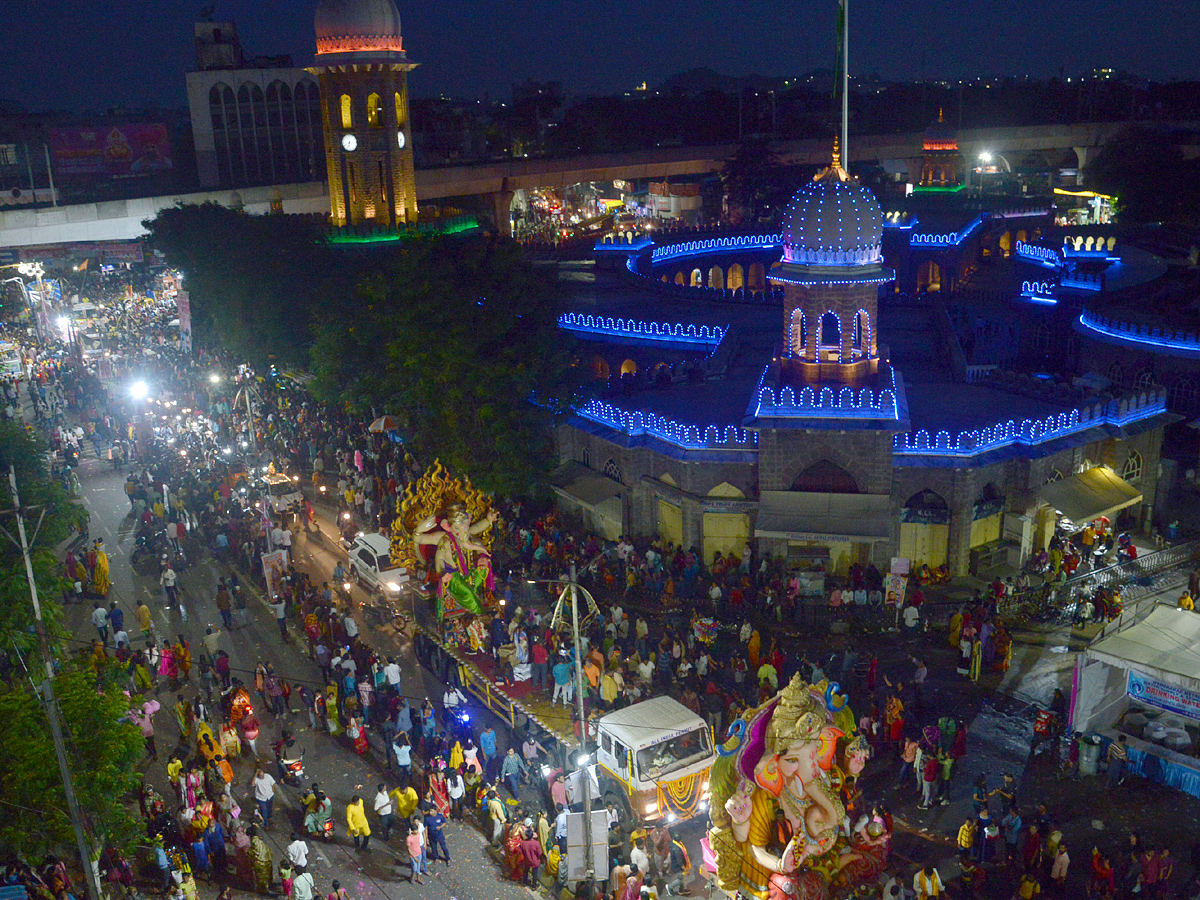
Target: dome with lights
<point x="833" y="221"/>
<point x="358" y="26"/>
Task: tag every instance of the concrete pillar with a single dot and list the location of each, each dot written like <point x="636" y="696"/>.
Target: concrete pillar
<point x="502" y="211"/>
<point x="1081" y="154"/>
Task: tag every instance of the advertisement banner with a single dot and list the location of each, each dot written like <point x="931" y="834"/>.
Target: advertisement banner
<point x="110" y="151"/>
<point x="893" y="588"/>
<point x="123" y="253"/>
<point x="274" y="565"/>
<point x="1169" y="697"/>
<point x="183" y="307"/>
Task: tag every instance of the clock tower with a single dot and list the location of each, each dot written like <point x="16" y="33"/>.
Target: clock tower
<point x="363" y="71"/>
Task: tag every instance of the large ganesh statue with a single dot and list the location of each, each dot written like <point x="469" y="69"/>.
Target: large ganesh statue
<point x="444" y="528"/>
<point x="780" y="788"/>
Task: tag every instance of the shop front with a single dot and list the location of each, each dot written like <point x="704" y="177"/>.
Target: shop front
<point x="1092" y="494"/>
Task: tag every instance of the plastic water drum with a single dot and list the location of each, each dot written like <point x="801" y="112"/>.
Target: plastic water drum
<point x="1178" y="739"/>
<point x="1089" y="756"/>
<point x="1155" y="732"/>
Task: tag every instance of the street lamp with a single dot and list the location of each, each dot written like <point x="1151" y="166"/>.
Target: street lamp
<point x="139" y="390"/>
<point x="214" y="378"/>
<point x="985" y="160"/>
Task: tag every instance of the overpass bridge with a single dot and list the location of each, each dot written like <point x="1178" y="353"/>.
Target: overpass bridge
<point x="121" y="220"/>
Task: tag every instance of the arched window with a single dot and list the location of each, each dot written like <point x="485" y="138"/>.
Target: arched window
<point x="1042" y="338"/>
<point x="736" y="279"/>
<point x="374" y="111"/>
<point x="347" y="112"/>
<point x="1116" y="374"/>
<point x="1133" y="467"/>
<point x="755" y="280"/>
<point x="830" y="334"/>
<point x="825" y="477"/>
<point x="1183" y="394"/>
<point x="697" y="278"/>
<point x="1144" y="380"/>
<point x="799" y="333"/>
<point x="679" y="278"/>
<point x="587" y="456"/>
<point x="716" y="279"/>
<point x="629" y="367"/>
<point x="599" y="368"/>
<point x="399" y="110"/>
<point x="612" y="470"/>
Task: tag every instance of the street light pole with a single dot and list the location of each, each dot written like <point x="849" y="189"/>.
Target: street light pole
<point x="51" y="704"/>
<point x="589" y="861"/>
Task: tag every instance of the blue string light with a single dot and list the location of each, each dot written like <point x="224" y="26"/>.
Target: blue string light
<point x="665" y="332"/>
<point x="1144" y="335"/>
<point x="638" y="424"/>
<point x="953" y="239"/>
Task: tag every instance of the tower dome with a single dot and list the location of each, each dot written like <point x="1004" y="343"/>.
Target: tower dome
<point x="358" y="27"/>
<point x="833" y="221"/>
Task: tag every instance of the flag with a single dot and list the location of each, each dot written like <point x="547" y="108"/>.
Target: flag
<point x="83" y="266"/>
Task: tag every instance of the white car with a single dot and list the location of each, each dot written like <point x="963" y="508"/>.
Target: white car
<point x="281" y="492"/>
<point x="371" y="566"/>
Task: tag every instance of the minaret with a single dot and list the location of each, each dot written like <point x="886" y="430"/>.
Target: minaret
<point x="362" y="71"/>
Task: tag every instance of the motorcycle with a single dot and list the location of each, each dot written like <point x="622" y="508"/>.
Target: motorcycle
<point x="318" y="820"/>
<point x="291" y="768"/>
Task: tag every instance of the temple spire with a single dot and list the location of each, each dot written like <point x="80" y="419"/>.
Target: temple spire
<point x="837" y="153"/>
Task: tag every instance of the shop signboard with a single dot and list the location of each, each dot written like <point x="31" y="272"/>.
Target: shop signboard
<point x="1169" y="697"/>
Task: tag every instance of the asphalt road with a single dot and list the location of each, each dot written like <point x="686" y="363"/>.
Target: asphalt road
<point x="328" y="760"/>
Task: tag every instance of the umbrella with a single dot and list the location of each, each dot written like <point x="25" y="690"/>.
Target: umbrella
<point x="382" y="424"/>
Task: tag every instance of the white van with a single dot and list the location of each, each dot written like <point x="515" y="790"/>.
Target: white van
<point x="371" y="565"/>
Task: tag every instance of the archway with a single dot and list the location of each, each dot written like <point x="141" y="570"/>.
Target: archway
<point x="1005" y="243"/>
<point x="862" y="333"/>
<point x="929" y="276"/>
<point x="925" y="529"/>
<point x="735" y="278"/>
<point x="679" y="278"/>
<point x="1021" y="236"/>
<point x="716" y="278"/>
<point x="829" y="333"/>
<point x="825" y="477"/>
<point x="987" y="516"/>
<point x="798" y="336"/>
<point x="755" y="280"/>
<point x="600" y="368"/>
<point x="629" y="367"/>
<point x="697" y="278"/>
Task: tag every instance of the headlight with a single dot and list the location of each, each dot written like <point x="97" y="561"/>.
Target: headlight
<point x="651" y="807"/>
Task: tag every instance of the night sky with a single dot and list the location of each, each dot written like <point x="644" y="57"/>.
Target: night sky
<point x="80" y="54"/>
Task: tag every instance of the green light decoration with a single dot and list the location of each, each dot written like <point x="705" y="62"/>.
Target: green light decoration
<point x="457" y="225"/>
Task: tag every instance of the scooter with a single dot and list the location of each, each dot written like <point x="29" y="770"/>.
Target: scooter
<point x="291" y="768"/>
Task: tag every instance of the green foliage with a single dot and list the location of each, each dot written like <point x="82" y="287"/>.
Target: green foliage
<point x="757" y="186"/>
<point x="253" y="281"/>
<point x="454" y="339"/>
<point x="103" y="747"/>
<point x="1149" y="176"/>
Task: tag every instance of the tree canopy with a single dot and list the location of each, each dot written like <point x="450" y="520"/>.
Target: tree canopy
<point x="455" y="338"/>
<point x="1149" y="176"/>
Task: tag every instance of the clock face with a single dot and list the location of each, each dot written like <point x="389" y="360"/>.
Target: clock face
<point x="400" y="139"/>
<point x="349" y="142"/>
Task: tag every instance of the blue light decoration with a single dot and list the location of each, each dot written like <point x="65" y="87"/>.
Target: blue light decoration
<point x="1031" y="432"/>
<point x="1187" y="343"/>
<point x="1039" y="291"/>
<point x="708" y="246"/>
<point x="689" y="437"/>
<point x="1036" y="254"/>
<point x="811" y="282"/>
<point x="1083" y="281"/>
<point x="663" y="332"/>
<point x="603" y="246"/>
<point x="953" y="239"/>
<point x="827" y="402"/>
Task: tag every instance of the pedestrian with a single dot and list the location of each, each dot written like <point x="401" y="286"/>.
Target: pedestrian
<point x="279" y="607"/>
<point x="356" y="824"/>
<point x="1058" y="869"/>
<point x="297" y="852"/>
<point x="413" y="843"/>
<point x="487" y="743"/>
<point x="435" y="838"/>
<point x="1011" y="825"/>
<point x="168" y="580"/>
<point x="338" y="892"/>
<point x="264" y="794"/>
<point x="384" y="808"/>
<point x="1029" y="888"/>
<point x="495" y="809"/>
<point x="931" y="770"/>
<point x="1117" y="756"/>
<point x="927" y="884"/>
<point x="511" y="771"/>
<point x="531" y="855"/>
<point x="100" y="621"/>
<point x="303" y="887"/>
<point x="225" y="604"/>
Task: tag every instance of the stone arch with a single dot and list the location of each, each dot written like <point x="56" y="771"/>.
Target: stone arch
<point x="825" y="477"/>
<point x="1005" y="243"/>
<point x="629" y="367"/>
<point x="927" y="500"/>
<point x="1022" y="236"/>
<point x="399" y="102"/>
<point x="829" y="331"/>
<point x="798" y="333"/>
<point x="1043" y="338"/>
<point x="929" y="276"/>
<point x="612" y="469"/>
<point x="662" y="374"/>
<point x="735" y="278"/>
<point x="666" y="279"/>
<point x="725" y="489"/>
<point x="346" y="106"/>
<point x="1132" y="472"/>
<point x="1116" y="374"/>
<point x="716" y="278"/>
<point x="374" y="111"/>
<point x="1112" y="244"/>
<point x="679" y="279"/>
<point x="600" y="369"/>
<point x="755" y="280"/>
<point x="697" y="279"/>
<point x="1183" y="394"/>
<point x="862" y="332"/>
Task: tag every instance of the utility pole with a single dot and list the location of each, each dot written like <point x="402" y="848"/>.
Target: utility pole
<point x="846" y="84"/>
<point x="584" y="779"/>
<point x="51" y="704"/>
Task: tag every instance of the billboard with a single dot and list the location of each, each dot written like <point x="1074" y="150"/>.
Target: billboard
<point x="110" y="151"/>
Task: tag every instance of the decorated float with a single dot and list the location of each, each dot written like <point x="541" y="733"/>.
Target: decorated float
<point x="786" y="822"/>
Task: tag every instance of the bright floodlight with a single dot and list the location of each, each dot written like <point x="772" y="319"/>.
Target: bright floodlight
<point x="63" y="322"/>
<point x="985" y="157"/>
<point x="214" y="377"/>
<point x="138" y="390"/>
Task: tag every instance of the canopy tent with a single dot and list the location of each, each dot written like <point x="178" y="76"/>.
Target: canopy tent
<point x="807" y="516"/>
<point x="1162" y="649"/>
<point x="1089" y="495"/>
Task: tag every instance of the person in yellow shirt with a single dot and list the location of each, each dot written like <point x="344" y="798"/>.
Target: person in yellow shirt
<point x="406" y="801"/>
<point x="966" y="835"/>
<point x="1186" y="602"/>
<point x="356" y="823"/>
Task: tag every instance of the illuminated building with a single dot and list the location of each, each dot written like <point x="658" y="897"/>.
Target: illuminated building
<point x="363" y="71"/>
<point x="941" y="165"/>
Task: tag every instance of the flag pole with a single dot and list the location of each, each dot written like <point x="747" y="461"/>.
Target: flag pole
<point x="846" y="84"/>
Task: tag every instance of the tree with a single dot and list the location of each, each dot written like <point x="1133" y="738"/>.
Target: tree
<point x="757" y="186"/>
<point x="103" y="745"/>
<point x="254" y="281"/>
<point x="456" y="339"/>
<point x="1149" y="176"/>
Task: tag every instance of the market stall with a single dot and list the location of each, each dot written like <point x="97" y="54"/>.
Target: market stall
<point x="1143" y="680"/>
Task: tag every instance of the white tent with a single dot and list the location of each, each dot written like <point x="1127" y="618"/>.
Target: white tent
<point x="1155" y="661"/>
